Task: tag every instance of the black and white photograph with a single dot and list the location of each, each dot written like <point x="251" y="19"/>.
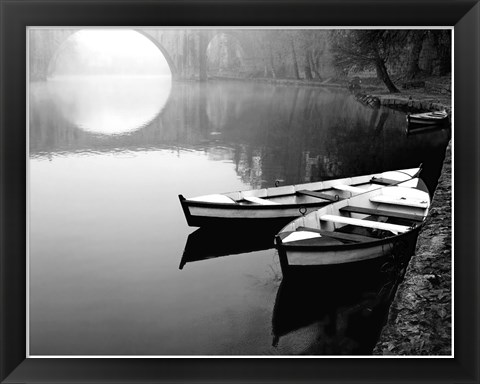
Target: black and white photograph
<point x="239" y="191"/>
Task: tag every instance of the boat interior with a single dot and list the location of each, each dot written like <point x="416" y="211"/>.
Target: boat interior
<point x="375" y="217"/>
<point x="321" y="191"/>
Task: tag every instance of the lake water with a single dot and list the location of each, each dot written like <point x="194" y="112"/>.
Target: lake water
<point x="108" y="158"/>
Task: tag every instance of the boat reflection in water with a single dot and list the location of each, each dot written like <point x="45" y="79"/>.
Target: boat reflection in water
<point x="413" y="129"/>
<point x="335" y="310"/>
<point x="213" y="242"/>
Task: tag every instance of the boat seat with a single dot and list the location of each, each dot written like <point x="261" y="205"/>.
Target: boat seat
<point x="339" y="235"/>
<point x="281" y="191"/>
<point x="384" y="181"/>
<point x="258" y="200"/>
<point x="395" y="228"/>
<point x="319" y="195"/>
<point x="415" y="203"/>
<point x="300" y="235"/>
<point x="381" y="212"/>
<point x="217" y="198"/>
<point x="349" y="188"/>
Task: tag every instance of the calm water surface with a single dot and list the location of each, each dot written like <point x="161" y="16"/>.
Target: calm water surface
<point x="108" y="158"/>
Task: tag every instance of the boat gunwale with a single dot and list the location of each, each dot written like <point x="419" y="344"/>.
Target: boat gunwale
<point x="229" y="206"/>
<point x="278" y="206"/>
<point x="236" y="205"/>
<point x="432" y="114"/>
<point x="371" y="181"/>
<point x="430" y="120"/>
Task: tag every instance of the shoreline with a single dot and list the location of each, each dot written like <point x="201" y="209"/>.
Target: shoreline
<point x="416" y="99"/>
<point x="420" y="316"/>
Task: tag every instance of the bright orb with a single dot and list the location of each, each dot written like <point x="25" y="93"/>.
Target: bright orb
<point x="109" y="81"/>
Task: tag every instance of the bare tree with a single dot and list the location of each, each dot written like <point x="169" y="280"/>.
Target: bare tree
<point x="363" y="49"/>
<point x="295" y="62"/>
<point x="415" y="39"/>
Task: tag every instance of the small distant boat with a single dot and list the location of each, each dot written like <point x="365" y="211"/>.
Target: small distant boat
<point x="279" y="205"/>
<point x="367" y="226"/>
<point x="428" y="118"/>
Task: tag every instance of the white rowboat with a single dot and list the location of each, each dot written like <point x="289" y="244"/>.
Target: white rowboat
<point x="428" y="118"/>
<point x="282" y="203"/>
<point x="363" y="227"/>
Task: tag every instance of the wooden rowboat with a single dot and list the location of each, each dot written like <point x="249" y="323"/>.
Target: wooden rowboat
<point x="367" y="226"/>
<point x="282" y="204"/>
<point x="428" y="118"/>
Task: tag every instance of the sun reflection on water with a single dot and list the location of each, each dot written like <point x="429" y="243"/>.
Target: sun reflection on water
<point x="110" y="105"/>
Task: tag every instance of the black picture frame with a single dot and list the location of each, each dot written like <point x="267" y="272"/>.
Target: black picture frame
<point x="16" y="15"/>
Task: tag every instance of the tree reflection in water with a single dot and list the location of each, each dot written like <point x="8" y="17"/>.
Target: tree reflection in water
<point x="296" y="134"/>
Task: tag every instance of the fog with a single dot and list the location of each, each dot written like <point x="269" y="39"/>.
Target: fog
<point x="109" y="52"/>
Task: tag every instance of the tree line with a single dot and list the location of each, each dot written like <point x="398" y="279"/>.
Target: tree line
<point x="312" y="54"/>
<point x="357" y="50"/>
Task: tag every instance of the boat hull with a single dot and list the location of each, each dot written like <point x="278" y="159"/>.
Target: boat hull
<point x="203" y="214"/>
<point x="419" y="121"/>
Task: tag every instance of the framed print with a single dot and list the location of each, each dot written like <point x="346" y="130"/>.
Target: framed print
<point x="348" y="251"/>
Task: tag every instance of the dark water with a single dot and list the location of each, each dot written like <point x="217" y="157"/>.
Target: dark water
<point x="108" y="158"/>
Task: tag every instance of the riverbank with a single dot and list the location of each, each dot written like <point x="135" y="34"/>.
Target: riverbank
<point x="420" y="317"/>
<point x="287" y="82"/>
<point x="416" y="100"/>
